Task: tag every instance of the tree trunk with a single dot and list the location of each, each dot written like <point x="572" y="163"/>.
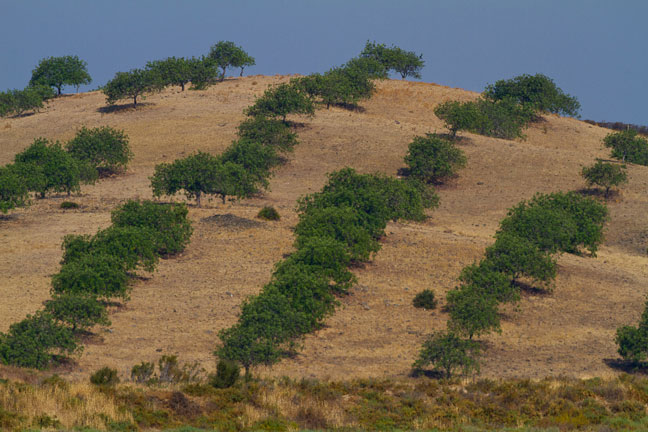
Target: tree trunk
<point x="241" y="74"/>
<point x="182" y="85"/>
<point x="223" y="198"/>
<point x="198" y="198"/>
<point x="607" y="191"/>
<point x="223" y="76"/>
<point x="135" y="100"/>
<point x="58" y="88"/>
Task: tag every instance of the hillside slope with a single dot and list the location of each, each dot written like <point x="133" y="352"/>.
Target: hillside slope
<point x="376" y="331"/>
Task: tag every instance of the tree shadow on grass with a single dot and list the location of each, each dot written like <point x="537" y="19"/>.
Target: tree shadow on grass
<point x="627" y="366"/>
<point x="599" y="193"/>
<point x="112" y="109"/>
<point x="527" y="288"/>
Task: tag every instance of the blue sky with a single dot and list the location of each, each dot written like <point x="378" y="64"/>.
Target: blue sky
<point x="593" y="49"/>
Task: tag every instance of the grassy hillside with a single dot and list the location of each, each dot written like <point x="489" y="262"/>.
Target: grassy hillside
<point x="376" y="332"/>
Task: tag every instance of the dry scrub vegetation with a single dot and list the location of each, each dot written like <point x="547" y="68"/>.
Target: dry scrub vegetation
<point x="377" y="331"/>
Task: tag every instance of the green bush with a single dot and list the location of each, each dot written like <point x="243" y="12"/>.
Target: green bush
<point x="406" y="63"/>
<point x="81" y="312"/>
<point x="633" y="341"/>
<point x="105" y="376"/>
<point x="227" y="373"/>
<point x="605" y="174"/>
<point x="425" y="300"/>
<point x="100" y="275"/>
<point x="538" y="91"/>
<point x="269" y="213"/>
<point x="69" y="205"/>
<point x="172" y="229"/>
<point x="104" y="148"/>
<point x="628" y="146"/>
<point x="433" y="159"/>
<point x="38" y="341"/>
<point x="13" y="189"/>
<point x="448" y="353"/>
<point x="472" y="311"/>
<point x="281" y="100"/>
<point x="269" y="132"/>
<point x="143" y="373"/>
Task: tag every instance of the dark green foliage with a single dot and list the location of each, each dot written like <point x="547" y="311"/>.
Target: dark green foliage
<point x="257" y="159"/>
<point x="81" y="312"/>
<point x="518" y="257"/>
<point x="448" y="353"/>
<point x="425" y="300"/>
<point x="99" y="275"/>
<point x="538" y="91"/>
<point x="132" y="84"/>
<point x="558" y="222"/>
<point x="605" y="174"/>
<point x="105" y="376"/>
<point x="269" y="132"/>
<point x="489" y="281"/>
<point x="142" y="373"/>
<point x="433" y="159"/>
<point x="458" y="116"/>
<point x="633" y="341"/>
<point x="203" y="173"/>
<point x="59" y="71"/>
<point x="472" y="311"/>
<point x="281" y="100"/>
<point x="226" y="54"/>
<point x="104" y="148"/>
<point x="628" y="146"/>
<point x="203" y="72"/>
<point x="344" y="86"/>
<point x="13" y="189"/>
<point x="227" y="373"/>
<point x="36" y="342"/>
<point x="169" y="222"/>
<point x="136" y="247"/>
<point x="243" y="344"/>
<point x="406" y="63"/>
<point x="16" y="102"/>
<point x="69" y="205"/>
<point x="172" y="70"/>
<point x="370" y="67"/>
<point x="46" y="167"/>
<point x="269" y="213"/>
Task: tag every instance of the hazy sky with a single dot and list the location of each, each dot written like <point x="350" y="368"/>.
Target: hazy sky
<point x="594" y="50"/>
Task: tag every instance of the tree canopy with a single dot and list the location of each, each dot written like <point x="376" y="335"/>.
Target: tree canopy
<point x="226" y="54"/>
<point x="59" y="71"/>
<point x="406" y="63"/>
<point x="132" y="84"/>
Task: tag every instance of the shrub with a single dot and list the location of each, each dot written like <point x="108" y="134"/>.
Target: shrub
<point x="13" y="189"/>
<point x="472" y="311"/>
<point x="538" y="91"/>
<point x="100" y="275"/>
<point x="143" y="373"/>
<point x="59" y="71"/>
<point x="105" y="377"/>
<point x="604" y="174"/>
<point x="133" y="84"/>
<point x="425" y="300"/>
<point x="36" y="342"/>
<point x="433" y="159"/>
<point x="406" y="63"/>
<point x="269" y="213"/>
<point x="201" y="174"/>
<point x="69" y="205"/>
<point x="227" y="373"/>
<point x="628" y="146"/>
<point x="269" y="132"/>
<point x="633" y="341"/>
<point x="104" y="148"/>
<point x="169" y="222"/>
<point x="281" y="100"/>
<point x="448" y="353"/>
<point x="81" y="312"/>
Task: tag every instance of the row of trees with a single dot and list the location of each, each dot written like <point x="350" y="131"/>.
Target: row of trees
<point x="177" y="71"/>
<point x="524" y="252"/>
<point x="95" y="269"/>
<point x="49" y="166"/>
<point x="507" y="107"/>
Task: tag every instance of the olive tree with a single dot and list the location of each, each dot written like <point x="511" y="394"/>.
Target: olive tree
<point x="13" y="189"/>
<point x="172" y="70"/>
<point x="104" y="148"/>
<point x="406" y="63"/>
<point x="81" y="312"/>
<point x="132" y="84"/>
<point x="226" y="54"/>
<point x="605" y="174"/>
<point x="281" y="100"/>
<point x="448" y="353"/>
<point x="433" y="159"/>
<point x="628" y="146"/>
<point x="59" y="71"/>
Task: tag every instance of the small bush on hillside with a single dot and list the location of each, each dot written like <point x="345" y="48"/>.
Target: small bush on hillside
<point x="433" y="159"/>
<point x="538" y="91"/>
<point x="105" y="377"/>
<point x="281" y="100"/>
<point x="269" y="213"/>
<point x="169" y="223"/>
<point x="36" y="342"/>
<point x="143" y="373"/>
<point x="425" y="300"/>
<point x="633" y="341"/>
<point x="104" y="148"/>
<point x="448" y="353"/>
<point x="628" y="146"/>
<point x="472" y="311"/>
<point x="100" y="275"/>
<point x="227" y="373"/>
<point x="605" y="174"/>
<point x="81" y="312"/>
<point x="69" y="205"/>
<point x="13" y="189"/>
<point x="269" y="132"/>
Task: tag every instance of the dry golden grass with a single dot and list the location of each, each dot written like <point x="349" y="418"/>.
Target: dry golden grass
<point x="376" y="331"/>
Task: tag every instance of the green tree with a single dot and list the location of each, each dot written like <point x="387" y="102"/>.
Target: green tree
<point x="448" y="353"/>
<point x="226" y="54"/>
<point x="242" y="344"/>
<point x="406" y="63"/>
<point x="605" y="174"/>
<point x="633" y="341"/>
<point x="628" y="146"/>
<point x="367" y="66"/>
<point x="281" y="100"/>
<point x="256" y="158"/>
<point x="472" y="311"/>
<point x="433" y="159"/>
<point x="203" y="72"/>
<point x="81" y="312"/>
<point x="487" y="279"/>
<point x="269" y="132"/>
<point x="172" y="70"/>
<point x="538" y="91"/>
<point x="458" y="115"/>
<point x="133" y="84"/>
<point x="104" y="148"/>
<point x="16" y="102"/>
<point x="59" y="71"/>
<point x="13" y="189"/>
<point x="98" y="275"/>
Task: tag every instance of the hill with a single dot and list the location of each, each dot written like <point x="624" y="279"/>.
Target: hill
<point x="376" y="332"/>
